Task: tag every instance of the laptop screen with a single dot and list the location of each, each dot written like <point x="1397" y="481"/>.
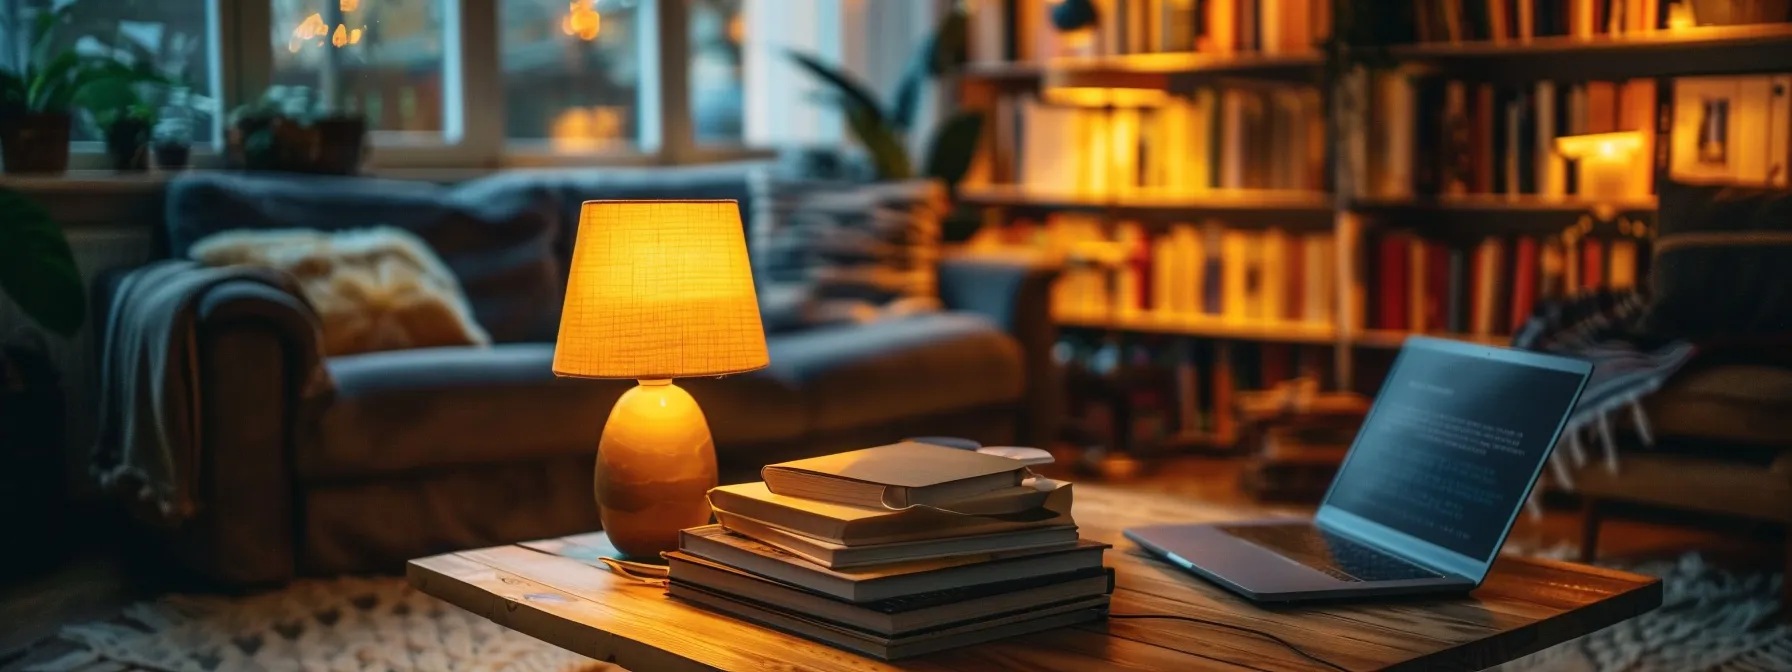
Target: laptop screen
<point x="1452" y="444"/>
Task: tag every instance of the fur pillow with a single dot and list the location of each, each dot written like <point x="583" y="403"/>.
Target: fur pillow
<point x="373" y="289"/>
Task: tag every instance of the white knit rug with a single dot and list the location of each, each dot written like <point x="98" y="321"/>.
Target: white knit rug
<point x="1709" y="619"/>
<point x="346" y="624"/>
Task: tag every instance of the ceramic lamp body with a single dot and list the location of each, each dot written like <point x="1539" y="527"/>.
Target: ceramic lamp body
<point x="655" y="464"/>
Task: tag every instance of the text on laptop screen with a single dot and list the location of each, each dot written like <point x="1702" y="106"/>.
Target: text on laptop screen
<point x="1451" y="446"/>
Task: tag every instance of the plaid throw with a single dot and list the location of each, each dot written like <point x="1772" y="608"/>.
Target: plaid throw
<point x="874" y="242"/>
<point x="1603" y="327"/>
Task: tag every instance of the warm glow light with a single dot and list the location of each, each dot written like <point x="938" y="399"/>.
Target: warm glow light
<point x="349" y="5"/>
<point x="659" y="289"/>
<point x="1090" y="96"/>
<point x="577" y="128"/>
<point x="1680" y="16"/>
<point x="354" y="36"/>
<point x="341" y="36"/>
<point x="737" y="30"/>
<point x="1617" y="146"/>
<point x="581" y="20"/>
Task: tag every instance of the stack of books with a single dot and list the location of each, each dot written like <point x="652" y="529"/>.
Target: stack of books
<point x="895" y="551"/>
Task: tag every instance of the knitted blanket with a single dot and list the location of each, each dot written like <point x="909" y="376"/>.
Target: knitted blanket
<point x="1603" y="327"/>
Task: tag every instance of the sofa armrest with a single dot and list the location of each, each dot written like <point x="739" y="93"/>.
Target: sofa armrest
<point x="1014" y="291"/>
<point x="257" y="351"/>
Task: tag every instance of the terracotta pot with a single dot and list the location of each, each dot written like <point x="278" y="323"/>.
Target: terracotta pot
<point x="35" y="143"/>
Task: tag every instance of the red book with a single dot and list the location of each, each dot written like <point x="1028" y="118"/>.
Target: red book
<point x="1437" y="286"/>
<point x="1524" y="280"/>
<point x="1391" y="282"/>
<point x="1592" y="263"/>
<point x="1278" y="363"/>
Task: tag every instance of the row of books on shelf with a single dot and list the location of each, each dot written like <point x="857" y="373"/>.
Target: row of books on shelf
<point x="1490" y="288"/>
<point x="1023" y="30"/>
<point x="1450" y="137"/>
<point x="1270" y="138"/>
<point x="1205" y="272"/>
<point x="1434" y="136"/>
<point x="1518" y="20"/>
<point x="1177" y="386"/>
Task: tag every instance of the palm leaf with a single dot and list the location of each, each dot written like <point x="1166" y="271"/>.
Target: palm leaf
<point x="952" y="148"/>
<point x="908" y="97"/>
<point x="37" y="267"/>
<point x="888" y="156"/>
<point x="948" y="47"/>
<point x="852" y="92"/>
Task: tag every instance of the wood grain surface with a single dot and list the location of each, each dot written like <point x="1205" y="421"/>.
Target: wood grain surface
<point x="554" y="590"/>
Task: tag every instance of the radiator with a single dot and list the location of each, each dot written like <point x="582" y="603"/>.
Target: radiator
<point x="97" y="249"/>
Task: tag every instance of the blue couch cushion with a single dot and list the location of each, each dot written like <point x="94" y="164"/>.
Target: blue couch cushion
<point x="570" y="188"/>
<point x="499" y="245"/>
<point x="411" y="410"/>
<point x="855" y="376"/>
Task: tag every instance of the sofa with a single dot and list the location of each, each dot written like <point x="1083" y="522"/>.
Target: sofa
<point x="413" y="452"/>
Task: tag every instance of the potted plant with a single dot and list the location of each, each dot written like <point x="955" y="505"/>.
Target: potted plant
<point x="882" y="129"/>
<point x="36" y="99"/>
<point x="37" y="271"/>
<point x="285" y="130"/>
<point x="126" y="131"/>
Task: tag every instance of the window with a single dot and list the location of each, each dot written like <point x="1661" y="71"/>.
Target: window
<point x="381" y="58"/>
<point x="169" y="36"/>
<point x="717" y="37"/>
<point x="573" y="73"/>
<point x="486" y="83"/>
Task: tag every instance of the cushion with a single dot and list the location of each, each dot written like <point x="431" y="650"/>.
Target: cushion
<point x="1728" y="403"/>
<point x="498" y="245"/>
<point x="373" y="289"/>
<point x="865" y="375"/>
<point x="1722" y="264"/>
<point x="410" y="410"/>
<point x="871" y="243"/>
<point x="568" y="189"/>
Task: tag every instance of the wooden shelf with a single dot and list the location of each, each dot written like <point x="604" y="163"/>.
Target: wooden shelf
<point x="1179" y="72"/>
<point x="1717" y="50"/>
<point x="1391" y="339"/>
<point x="1207" y="327"/>
<point x="1295" y="210"/>
<point x="1471" y="217"/>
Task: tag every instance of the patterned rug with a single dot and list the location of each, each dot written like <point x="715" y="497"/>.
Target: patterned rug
<point x="1709" y="620"/>
<point x="341" y="624"/>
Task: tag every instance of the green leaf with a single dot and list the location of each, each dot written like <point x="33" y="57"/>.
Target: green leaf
<point x="908" y="98"/>
<point x="37" y="267"/>
<point x="888" y="156"/>
<point x="853" y="93"/>
<point x="952" y="148"/>
<point x="948" y="47"/>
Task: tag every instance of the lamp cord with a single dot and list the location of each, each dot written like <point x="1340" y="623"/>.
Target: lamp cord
<point x="1297" y="650"/>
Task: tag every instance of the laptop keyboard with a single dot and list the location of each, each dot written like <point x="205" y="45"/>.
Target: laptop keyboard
<point x="1333" y="554"/>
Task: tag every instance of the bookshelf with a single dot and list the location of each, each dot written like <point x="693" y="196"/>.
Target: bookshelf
<point x="1498" y="192"/>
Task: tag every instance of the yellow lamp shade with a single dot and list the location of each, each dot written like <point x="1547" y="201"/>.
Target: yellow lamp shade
<point x="659" y="289"/>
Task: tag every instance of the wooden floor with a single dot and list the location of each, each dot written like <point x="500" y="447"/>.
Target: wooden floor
<point x="99" y="579"/>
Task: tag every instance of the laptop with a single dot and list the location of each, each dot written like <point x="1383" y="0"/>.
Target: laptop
<point x="1427" y="493"/>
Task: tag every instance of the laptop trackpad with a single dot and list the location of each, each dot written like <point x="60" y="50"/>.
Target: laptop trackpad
<point x="1255" y="570"/>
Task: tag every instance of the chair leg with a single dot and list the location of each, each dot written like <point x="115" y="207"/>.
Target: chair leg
<point x="1589" y="529"/>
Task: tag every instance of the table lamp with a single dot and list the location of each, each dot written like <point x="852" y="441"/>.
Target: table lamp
<point x="657" y="290"/>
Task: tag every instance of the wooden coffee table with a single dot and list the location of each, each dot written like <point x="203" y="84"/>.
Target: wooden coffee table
<point x="555" y="591"/>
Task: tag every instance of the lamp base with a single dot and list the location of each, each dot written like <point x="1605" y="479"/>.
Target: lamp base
<point x="655" y="465"/>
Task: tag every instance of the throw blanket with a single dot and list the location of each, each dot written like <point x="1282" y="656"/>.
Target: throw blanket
<point x="149" y="429"/>
<point x="1603" y="327"/>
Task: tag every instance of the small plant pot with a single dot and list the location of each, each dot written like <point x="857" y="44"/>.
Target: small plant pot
<point x="172" y="156"/>
<point x="127" y="142"/>
<point x="35" y="143"/>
